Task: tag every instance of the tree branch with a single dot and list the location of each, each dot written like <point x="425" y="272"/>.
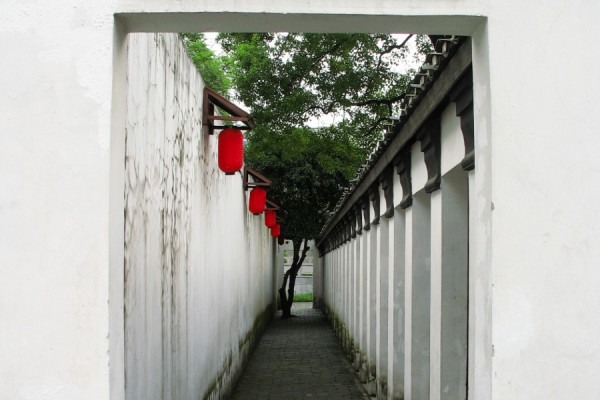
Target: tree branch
<point x="285" y="279"/>
<point x="375" y="125"/>
<point x="387" y="51"/>
<point x="379" y="101"/>
<point x="323" y="110"/>
<point x="304" y="251"/>
<point x="298" y="82"/>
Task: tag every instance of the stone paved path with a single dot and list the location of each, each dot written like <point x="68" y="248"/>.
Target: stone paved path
<point x="299" y="358"/>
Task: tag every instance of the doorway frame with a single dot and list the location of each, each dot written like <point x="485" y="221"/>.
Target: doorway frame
<point x="183" y="17"/>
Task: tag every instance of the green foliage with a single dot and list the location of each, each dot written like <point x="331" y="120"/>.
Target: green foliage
<point x="287" y="79"/>
<point x="309" y="168"/>
<point x="213" y="69"/>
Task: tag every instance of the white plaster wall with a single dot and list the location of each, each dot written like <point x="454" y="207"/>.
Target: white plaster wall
<point x="545" y="195"/>
<point x="453" y="145"/>
<point x="198" y="265"/>
<point x="540" y="251"/>
<point x="55" y="104"/>
<point x="418" y="170"/>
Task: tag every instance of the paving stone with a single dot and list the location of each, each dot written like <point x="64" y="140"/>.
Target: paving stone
<point x="299" y="358"/>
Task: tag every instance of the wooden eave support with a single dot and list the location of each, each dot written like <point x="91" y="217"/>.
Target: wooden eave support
<point x="258" y="179"/>
<point x="212" y="99"/>
<point x="272" y="206"/>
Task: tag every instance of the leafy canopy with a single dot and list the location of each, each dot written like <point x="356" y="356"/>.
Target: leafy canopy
<point x="212" y="68"/>
<point x="291" y="80"/>
<point x="308" y="168"/>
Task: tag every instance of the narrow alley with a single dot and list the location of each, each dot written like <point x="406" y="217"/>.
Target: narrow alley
<point x="299" y="358"/>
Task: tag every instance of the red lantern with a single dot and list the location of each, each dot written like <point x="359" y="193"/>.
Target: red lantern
<point x="275" y="231"/>
<point x="258" y="198"/>
<point x="270" y="218"/>
<point x="231" y="150"/>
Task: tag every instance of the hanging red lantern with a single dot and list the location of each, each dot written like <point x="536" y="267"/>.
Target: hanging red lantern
<point x="270" y="218"/>
<point x="275" y="231"/>
<point x="231" y="150"/>
<point x="258" y="198"/>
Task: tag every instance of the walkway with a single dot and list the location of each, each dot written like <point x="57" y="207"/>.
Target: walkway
<point x="299" y="358"/>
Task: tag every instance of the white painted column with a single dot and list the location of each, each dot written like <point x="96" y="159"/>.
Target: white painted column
<point x="336" y="282"/>
<point x="480" y="224"/>
<point x="350" y="272"/>
<point x="454" y="285"/>
<point x="421" y="291"/>
<point x="348" y="276"/>
<point x="382" y="306"/>
<point x="436" y="295"/>
<point x="343" y="278"/>
<point x="341" y="287"/>
<point x="332" y="284"/>
<point x="329" y="279"/>
<point x="357" y="301"/>
<point x="326" y="266"/>
<point x="365" y="303"/>
<point x="368" y="323"/>
<point x="340" y="284"/>
<point x="330" y="292"/>
<point x="361" y="294"/>
<point x="326" y="279"/>
<point x="333" y="274"/>
<point x="396" y="313"/>
<point x="372" y="303"/>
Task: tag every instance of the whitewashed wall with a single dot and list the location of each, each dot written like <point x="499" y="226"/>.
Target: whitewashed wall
<point x="55" y="119"/>
<point x="198" y="265"/>
<point x="61" y="205"/>
<point x="397" y="292"/>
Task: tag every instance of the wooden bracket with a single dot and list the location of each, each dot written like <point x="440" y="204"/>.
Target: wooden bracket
<point x="348" y="228"/>
<point x="431" y="146"/>
<point x="272" y="206"/>
<point x="403" y="163"/>
<point x="212" y="99"/>
<point x="462" y="95"/>
<point x="387" y="184"/>
<point x="258" y="180"/>
<point x="374" y="196"/>
<point x="366" y="211"/>
<point x="359" y="219"/>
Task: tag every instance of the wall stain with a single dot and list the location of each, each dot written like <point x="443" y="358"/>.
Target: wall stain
<point x="172" y="189"/>
<point x="221" y="387"/>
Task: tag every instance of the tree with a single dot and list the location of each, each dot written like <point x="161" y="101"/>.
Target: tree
<point x="211" y="67"/>
<point x="309" y="168"/>
<point x="288" y="80"/>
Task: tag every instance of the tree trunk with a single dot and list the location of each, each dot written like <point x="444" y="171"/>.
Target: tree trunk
<point x="287" y="301"/>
